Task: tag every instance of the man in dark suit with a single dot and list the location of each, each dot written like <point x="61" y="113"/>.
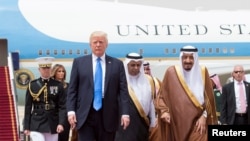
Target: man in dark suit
<point x="99" y="124"/>
<point x="235" y="100"/>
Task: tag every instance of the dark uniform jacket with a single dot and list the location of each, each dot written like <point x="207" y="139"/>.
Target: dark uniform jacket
<point x="44" y="106"/>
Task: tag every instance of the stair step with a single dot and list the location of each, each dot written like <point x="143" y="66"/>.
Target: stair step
<point x="8" y="120"/>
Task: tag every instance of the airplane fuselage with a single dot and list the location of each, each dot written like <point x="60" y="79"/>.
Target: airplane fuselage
<point x="61" y="28"/>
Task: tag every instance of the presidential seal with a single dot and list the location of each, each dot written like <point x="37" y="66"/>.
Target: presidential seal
<point x="23" y="77"/>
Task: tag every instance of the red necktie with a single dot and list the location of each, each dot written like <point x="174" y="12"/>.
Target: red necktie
<point x="242" y="98"/>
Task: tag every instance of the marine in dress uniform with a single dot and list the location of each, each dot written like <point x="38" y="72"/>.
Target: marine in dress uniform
<point x="45" y="109"/>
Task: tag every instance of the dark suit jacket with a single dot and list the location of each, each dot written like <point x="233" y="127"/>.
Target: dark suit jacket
<point x="228" y="103"/>
<point x="81" y="91"/>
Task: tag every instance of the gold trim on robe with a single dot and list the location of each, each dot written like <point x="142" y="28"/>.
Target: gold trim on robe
<point x="152" y="84"/>
<point x="138" y="105"/>
<point x="186" y="88"/>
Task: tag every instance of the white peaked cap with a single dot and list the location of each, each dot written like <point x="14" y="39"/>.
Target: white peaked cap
<point x="45" y="62"/>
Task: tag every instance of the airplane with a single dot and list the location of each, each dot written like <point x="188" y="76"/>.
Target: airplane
<point x="154" y="28"/>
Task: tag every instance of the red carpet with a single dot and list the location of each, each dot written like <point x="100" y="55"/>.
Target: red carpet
<point x="8" y="120"/>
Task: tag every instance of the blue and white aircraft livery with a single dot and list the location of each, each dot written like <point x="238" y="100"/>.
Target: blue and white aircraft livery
<point x="156" y="29"/>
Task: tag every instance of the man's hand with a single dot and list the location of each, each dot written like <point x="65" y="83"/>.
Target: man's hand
<point x="201" y="124"/>
<point x="165" y="117"/>
<point x="59" y="128"/>
<point x="72" y="120"/>
<point x="26" y="132"/>
<point x="125" y="122"/>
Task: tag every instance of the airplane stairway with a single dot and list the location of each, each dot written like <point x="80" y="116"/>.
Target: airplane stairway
<point x="8" y="119"/>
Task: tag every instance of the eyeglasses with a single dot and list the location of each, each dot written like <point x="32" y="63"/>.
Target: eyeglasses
<point x="238" y="71"/>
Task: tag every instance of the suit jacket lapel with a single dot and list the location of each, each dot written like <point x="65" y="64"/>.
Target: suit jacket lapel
<point x="89" y="68"/>
<point x="247" y="91"/>
<point x="108" y="71"/>
<point x="232" y="90"/>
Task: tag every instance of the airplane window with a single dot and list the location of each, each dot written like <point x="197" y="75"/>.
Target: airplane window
<point x="203" y="50"/>
<point x="63" y="52"/>
<point x="141" y="51"/>
<point x="210" y="50"/>
<point x="78" y="52"/>
<point x="217" y="50"/>
<point x="224" y="50"/>
<point x="47" y="52"/>
<point x="70" y="52"/>
<point x="40" y="52"/>
<point x="232" y="50"/>
<point x="85" y="52"/>
<point x="174" y="51"/>
<point x="166" y="51"/>
<point x="55" y="52"/>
